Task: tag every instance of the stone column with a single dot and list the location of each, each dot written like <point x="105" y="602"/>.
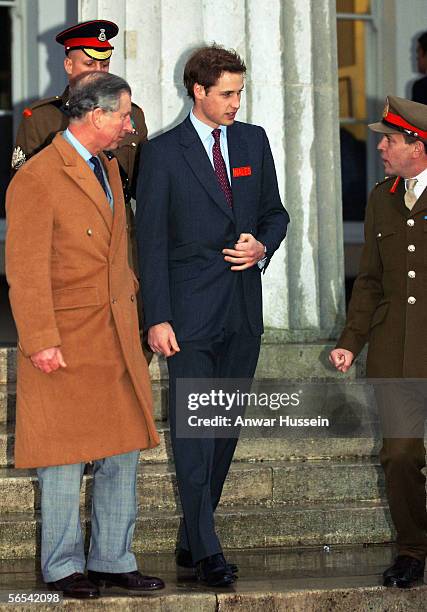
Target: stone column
<point x="291" y="90"/>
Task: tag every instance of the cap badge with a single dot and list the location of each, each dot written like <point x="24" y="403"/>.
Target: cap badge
<point x="18" y="158"/>
<point x="386" y="108"/>
<point x="102" y="37"/>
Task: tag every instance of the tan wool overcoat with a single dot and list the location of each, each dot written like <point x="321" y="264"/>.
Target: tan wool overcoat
<point x="71" y="286"/>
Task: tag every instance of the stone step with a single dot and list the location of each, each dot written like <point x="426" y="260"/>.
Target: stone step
<point x="346" y="579"/>
<point x="248" y="449"/>
<point x="238" y="527"/>
<point x="248" y="484"/>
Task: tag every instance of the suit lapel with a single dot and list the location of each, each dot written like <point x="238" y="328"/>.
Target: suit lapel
<point x="119" y="218"/>
<point x="238" y="153"/>
<point x="197" y="159"/>
<point x="80" y="173"/>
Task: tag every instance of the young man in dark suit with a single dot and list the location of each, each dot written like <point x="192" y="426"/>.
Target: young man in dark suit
<point x="209" y="218"/>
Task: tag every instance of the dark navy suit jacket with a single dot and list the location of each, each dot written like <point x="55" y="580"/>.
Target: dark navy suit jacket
<point x="183" y="222"/>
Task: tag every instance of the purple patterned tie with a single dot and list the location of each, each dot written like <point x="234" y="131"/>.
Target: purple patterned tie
<point x="220" y="169"/>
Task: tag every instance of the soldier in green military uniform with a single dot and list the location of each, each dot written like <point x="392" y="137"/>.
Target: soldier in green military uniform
<point x="388" y="307"/>
<point x="87" y="48"/>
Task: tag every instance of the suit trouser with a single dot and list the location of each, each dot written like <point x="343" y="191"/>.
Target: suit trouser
<point x="402" y="407"/>
<point x="114" y="510"/>
<point x="202" y="464"/>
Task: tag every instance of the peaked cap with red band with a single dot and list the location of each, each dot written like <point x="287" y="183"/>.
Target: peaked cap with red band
<point x="403" y="116"/>
<point x="91" y="36"/>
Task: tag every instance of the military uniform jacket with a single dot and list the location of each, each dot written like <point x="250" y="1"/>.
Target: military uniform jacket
<point x="71" y="286"/>
<point x="45" y="118"/>
<point x="388" y="306"/>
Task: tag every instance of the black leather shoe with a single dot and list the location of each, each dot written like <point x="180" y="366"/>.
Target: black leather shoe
<point x="183" y="559"/>
<point x="213" y="571"/>
<point x="134" y="581"/>
<point x="404" y="573"/>
<point x="76" y="585"/>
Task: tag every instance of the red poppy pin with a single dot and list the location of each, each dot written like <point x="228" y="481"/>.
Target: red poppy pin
<point x="243" y="171"/>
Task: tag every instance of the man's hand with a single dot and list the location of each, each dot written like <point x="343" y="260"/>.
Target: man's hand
<point x="247" y="252"/>
<point x="341" y="359"/>
<point x="161" y="339"/>
<point x="48" y="360"/>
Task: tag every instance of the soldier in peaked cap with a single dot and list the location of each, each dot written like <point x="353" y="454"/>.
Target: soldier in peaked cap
<point x="87" y="48"/>
<point x="388" y="308"/>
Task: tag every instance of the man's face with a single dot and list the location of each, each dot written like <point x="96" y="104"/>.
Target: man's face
<point x="397" y="155"/>
<point x="113" y="126"/>
<point x="77" y="62"/>
<point x="219" y="105"/>
<point x="421" y="60"/>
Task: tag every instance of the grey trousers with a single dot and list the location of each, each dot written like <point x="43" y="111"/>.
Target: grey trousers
<point x="113" y="516"/>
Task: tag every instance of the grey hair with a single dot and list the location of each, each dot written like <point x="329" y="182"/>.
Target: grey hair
<point x="96" y="89"/>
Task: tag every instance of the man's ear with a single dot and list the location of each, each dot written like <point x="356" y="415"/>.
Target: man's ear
<point x="199" y="91"/>
<point x="419" y="148"/>
<point x="97" y="117"/>
<point x="68" y="64"/>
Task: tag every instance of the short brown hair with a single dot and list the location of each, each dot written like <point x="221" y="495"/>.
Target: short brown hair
<point x="206" y="65"/>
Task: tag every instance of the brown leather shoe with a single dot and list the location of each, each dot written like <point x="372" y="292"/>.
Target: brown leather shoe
<point x="134" y="581"/>
<point x="76" y="585"/>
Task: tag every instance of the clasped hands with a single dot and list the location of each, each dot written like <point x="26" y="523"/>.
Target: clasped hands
<point x="248" y="251"/>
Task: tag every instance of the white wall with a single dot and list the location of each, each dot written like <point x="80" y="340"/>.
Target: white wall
<point x="52" y="18"/>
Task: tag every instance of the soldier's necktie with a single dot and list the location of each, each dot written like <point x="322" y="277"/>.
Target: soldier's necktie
<point x="99" y="174"/>
<point x="220" y="169"/>
<point x="410" y="196"/>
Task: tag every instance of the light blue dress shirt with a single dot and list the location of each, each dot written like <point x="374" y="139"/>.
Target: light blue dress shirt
<point x="81" y="150"/>
<point x="205" y="134"/>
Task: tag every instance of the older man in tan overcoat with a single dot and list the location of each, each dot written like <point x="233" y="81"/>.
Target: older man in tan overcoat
<point x="83" y="392"/>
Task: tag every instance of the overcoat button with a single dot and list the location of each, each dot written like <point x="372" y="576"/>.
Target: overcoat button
<point x="89" y="232"/>
<point x="411" y="274"/>
<point x="114" y="301"/>
<point x="410" y="222"/>
<point x="379" y="235"/>
<point x="411" y="248"/>
<point x="411" y="300"/>
<point x="132" y="298"/>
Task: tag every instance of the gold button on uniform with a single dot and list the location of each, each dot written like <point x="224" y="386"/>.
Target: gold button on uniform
<point x="411" y="300"/>
<point x="114" y="301"/>
<point x="89" y="232"/>
<point x="411" y="248"/>
<point x="132" y="298"/>
<point x="133" y="144"/>
<point x="411" y="274"/>
<point x="410" y="222"/>
<point x="379" y="235"/>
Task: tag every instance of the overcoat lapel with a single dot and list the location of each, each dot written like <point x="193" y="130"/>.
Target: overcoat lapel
<point x="119" y="217"/>
<point x="78" y="170"/>
<point x="199" y="162"/>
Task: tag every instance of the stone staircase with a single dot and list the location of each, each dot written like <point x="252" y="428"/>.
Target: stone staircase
<point x="281" y="492"/>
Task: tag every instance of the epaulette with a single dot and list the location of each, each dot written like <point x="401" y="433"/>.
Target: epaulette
<point x="55" y="100"/>
<point x="385" y="180"/>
